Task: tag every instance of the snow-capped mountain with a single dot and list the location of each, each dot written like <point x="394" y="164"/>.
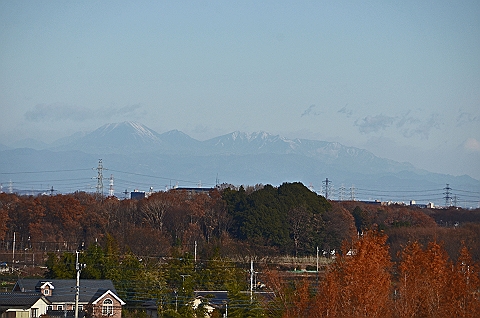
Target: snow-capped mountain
<point x="123" y="137"/>
<point x="134" y="138"/>
<point x="249" y="143"/>
<point x="142" y="156"/>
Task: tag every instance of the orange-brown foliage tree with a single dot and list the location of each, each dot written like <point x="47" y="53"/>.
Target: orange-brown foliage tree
<point x="429" y="285"/>
<point x="462" y="297"/>
<point x="359" y="282"/>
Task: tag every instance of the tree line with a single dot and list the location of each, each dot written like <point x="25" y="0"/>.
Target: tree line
<point x="365" y="282"/>
<point x="260" y="220"/>
<point x="362" y="281"/>
<point x="391" y="261"/>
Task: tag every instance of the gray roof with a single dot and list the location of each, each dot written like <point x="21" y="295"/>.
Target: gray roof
<point x="64" y="289"/>
<point x="20" y="300"/>
<point x="215" y="297"/>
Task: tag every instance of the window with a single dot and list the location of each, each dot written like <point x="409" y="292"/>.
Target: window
<point x="59" y="307"/>
<point x="34" y="313"/>
<point x="107" y="308"/>
<point x="46" y="292"/>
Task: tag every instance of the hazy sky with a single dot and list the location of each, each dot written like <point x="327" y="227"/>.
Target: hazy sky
<point x="399" y="78"/>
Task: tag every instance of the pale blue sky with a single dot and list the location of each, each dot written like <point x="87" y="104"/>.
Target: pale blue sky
<point x="398" y="78"/>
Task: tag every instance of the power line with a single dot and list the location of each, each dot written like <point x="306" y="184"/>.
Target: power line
<point x="44" y="171"/>
<point x="158" y="177"/>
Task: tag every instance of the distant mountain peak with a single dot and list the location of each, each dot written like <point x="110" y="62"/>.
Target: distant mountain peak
<point x="244" y="136"/>
<point x="131" y="127"/>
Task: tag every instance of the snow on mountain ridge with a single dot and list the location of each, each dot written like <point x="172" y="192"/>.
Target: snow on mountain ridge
<point x="142" y="130"/>
<point x="127" y="128"/>
<point x="129" y="136"/>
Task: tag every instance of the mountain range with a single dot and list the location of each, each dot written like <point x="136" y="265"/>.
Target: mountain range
<point x="139" y="157"/>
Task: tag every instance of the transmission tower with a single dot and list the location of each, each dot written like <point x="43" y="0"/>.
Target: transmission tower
<point x="326" y="187"/>
<point x="100" y="179"/>
<point x="341" y="194"/>
<point x="352" y="193"/>
<point x="110" y="189"/>
<point x="447" y="197"/>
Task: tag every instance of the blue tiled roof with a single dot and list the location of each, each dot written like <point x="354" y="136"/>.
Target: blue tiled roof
<point x="64" y="289"/>
<point x="20" y="300"/>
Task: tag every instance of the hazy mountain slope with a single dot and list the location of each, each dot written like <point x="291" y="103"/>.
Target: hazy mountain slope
<point x="30" y="143"/>
<point x="138" y="157"/>
<point x="4" y="147"/>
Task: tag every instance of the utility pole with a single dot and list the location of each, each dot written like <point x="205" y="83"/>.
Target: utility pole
<point x="176" y="300"/>
<point x="195" y="253"/>
<point x="13" y="252"/>
<point x="251" y="280"/>
<point x="78" y="268"/>
<point x="317" y="265"/>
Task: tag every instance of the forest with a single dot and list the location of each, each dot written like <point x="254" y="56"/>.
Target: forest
<point x="377" y="260"/>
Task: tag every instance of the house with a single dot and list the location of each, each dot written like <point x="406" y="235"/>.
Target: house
<point x="207" y="300"/>
<point x="98" y="297"/>
<point x="23" y="305"/>
<point x="210" y="300"/>
<point x="4" y="267"/>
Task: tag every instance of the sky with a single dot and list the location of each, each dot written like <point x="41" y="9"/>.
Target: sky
<point x="398" y="78"/>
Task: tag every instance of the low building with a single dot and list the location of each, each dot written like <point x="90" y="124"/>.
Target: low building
<point x="23" y="305"/>
<point x="95" y="297"/>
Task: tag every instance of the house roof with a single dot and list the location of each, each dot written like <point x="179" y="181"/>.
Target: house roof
<point x="90" y="289"/>
<point x="109" y="292"/>
<point x="215" y="297"/>
<point x="20" y="300"/>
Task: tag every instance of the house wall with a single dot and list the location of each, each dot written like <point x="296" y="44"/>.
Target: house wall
<point x="117" y="307"/>
<point x="41" y="306"/>
<point x="16" y="314"/>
